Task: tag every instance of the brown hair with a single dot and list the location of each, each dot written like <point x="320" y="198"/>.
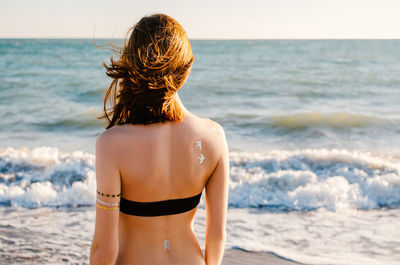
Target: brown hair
<point x="153" y="65"/>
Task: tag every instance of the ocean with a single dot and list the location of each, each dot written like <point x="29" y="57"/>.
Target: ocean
<point x="313" y="128"/>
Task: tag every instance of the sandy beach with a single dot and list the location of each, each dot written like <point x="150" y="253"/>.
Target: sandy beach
<point x="239" y="257"/>
<point x="67" y="238"/>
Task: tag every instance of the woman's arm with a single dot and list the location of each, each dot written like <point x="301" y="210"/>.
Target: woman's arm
<point x="104" y="248"/>
<point x="216" y="205"/>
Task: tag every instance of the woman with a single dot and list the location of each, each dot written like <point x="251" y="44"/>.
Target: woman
<point x="155" y="158"/>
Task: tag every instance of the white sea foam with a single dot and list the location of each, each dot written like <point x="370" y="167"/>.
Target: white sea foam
<point x="322" y="190"/>
<point x="278" y="180"/>
<point x="43" y="176"/>
<point x="309" y="179"/>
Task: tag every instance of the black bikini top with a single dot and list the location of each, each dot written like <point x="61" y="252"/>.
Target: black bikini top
<point x="159" y="208"/>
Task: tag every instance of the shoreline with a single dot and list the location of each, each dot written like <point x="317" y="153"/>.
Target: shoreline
<point x="239" y="256"/>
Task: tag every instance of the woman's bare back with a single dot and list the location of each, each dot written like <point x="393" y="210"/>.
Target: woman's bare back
<point x="155" y="150"/>
<point x="158" y="162"/>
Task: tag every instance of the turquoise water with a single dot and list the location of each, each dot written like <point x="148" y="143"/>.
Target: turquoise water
<point x="313" y="128"/>
<point x="287" y="94"/>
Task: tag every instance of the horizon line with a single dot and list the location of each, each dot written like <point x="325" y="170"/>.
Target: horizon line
<point x="228" y="39"/>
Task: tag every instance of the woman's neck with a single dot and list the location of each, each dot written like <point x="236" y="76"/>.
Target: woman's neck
<point x="179" y="101"/>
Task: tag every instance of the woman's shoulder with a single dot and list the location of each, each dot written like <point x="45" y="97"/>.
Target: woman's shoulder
<point x="115" y="132"/>
<point x="215" y="125"/>
<point x="108" y="135"/>
<point x="205" y="128"/>
<point x="106" y="142"/>
<point x="109" y="139"/>
<point x="215" y="129"/>
<point x="211" y="131"/>
<point x="205" y="125"/>
<point x="204" y="122"/>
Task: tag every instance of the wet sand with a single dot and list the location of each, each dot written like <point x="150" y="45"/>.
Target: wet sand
<point x="238" y="256"/>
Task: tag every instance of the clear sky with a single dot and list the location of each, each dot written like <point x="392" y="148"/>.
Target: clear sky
<point x="204" y="19"/>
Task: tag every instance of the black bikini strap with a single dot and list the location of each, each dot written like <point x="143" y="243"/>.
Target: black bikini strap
<point x="159" y="208"/>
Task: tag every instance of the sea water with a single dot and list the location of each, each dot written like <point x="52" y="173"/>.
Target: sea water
<point x="313" y="129"/>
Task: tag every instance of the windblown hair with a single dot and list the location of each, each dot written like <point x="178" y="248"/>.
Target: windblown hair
<point x="153" y="65"/>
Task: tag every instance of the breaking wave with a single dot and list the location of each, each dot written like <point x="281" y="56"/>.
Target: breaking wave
<point x="298" y="180"/>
